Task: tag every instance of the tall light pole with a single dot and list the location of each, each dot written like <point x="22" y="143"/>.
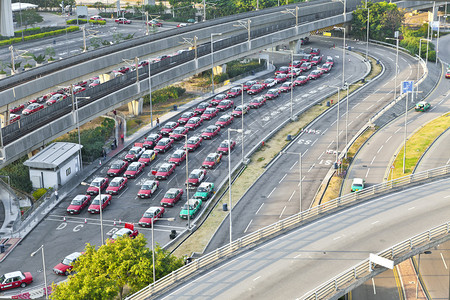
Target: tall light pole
<point x="299" y="176"/>
<point x="346" y="122"/>
<point x="343" y="55"/>
<point x="43" y="268"/>
<point x="229" y="180"/>
<point x="293" y="12"/>
<point x="212" y="59"/>
<point x="153" y="244"/>
<point x="246" y="25"/>
<point x="368" y="24"/>
<point x="101" y="210"/>
<point x="292" y="85"/>
<point x="150" y="91"/>
<point x="242" y="124"/>
<point x="418" y="65"/>
<point x="78" y="128"/>
<point x="337" y="122"/>
<point x="396" y="63"/>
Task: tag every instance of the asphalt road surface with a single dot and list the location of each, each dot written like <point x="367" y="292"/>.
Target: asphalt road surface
<point x="276" y="194"/>
<point x="297" y="262"/>
<point x="62" y="238"/>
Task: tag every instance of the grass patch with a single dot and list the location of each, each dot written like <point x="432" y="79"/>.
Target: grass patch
<point x="417" y="144"/>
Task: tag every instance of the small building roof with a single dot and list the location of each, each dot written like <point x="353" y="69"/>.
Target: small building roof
<point x="22" y="6"/>
<point x="53" y="156"/>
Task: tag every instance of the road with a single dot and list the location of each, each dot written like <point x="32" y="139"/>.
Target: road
<point x="295" y="263"/>
<point x="62" y="238"/>
<point x="276" y="194"/>
<point x="373" y="159"/>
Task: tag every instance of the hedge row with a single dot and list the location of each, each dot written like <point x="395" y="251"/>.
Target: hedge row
<point x="164" y="94"/>
<point x="84" y="21"/>
<point x="19" y="174"/>
<point x="39" y="35"/>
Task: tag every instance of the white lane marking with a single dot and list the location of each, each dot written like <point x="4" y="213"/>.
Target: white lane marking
<point x="282" y="178"/>
<point x="314" y="142"/>
<point x="386" y="83"/>
<point x="293" y="165"/>
<point x="256" y="278"/>
<point x="171" y="179"/>
<point x="359" y="103"/>
<point x="367" y="173"/>
<point x="375" y="222"/>
<point x="311" y="167"/>
<point x="271" y="192"/>
<point x="411" y="208"/>
<point x="291" y="196"/>
<point x="373" y="159"/>
<point x="336" y="238"/>
<point x="246" y="228"/>
<point x="259" y="209"/>
<point x="380" y="149"/>
<point x="350" y="123"/>
<point x="305" y="152"/>
<point x="321" y="155"/>
<point x="359" y="115"/>
<point x="330" y="144"/>
<point x="370" y="107"/>
<point x="447" y="196"/>
<point x="388" y="139"/>
<point x="282" y="212"/>
<point x="443" y="260"/>
<point x="333" y="123"/>
<point x="324" y="131"/>
<point x="298" y="255"/>
<point x="397" y="130"/>
<point x="374" y="290"/>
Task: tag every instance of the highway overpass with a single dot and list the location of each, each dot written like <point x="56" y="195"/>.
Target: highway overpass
<point x="33" y="132"/>
<point x="299" y="261"/>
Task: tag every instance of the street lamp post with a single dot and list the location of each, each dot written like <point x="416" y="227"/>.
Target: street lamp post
<point x="153" y="245"/>
<point x="150" y="91"/>
<point x="43" y="268"/>
<point x="368" y="24"/>
<point x="337" y="122"/>
<point x="242" y="124"/>
<point x="343" y="54"/>
<point x="212" y="59"/>
<point x="101" y="210"/>
<point x="246" y="25"/>
<point x="78" y="128"/>
<point x="292" y="85"/>
<point x="396" y="64"/>
<point x="229" y="180"/>
<point x="299" y="176"/>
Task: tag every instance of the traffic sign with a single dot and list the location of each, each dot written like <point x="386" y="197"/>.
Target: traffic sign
<point x="407" y="86"/>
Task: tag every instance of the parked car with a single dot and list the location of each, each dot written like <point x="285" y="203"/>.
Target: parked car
<point x="97" y="18"/>
<point x="225" y="120"/>
<point x="223" y="147"/>
<point x="178" y="157"/>
<point x="134" y="154"/>
<point x="122" y="21"/>
<point x="306" y="58"/>
<point x="151" y="140"/>
<point x="78" y="203"/>
<point x="127" y="231"/>
<point x="148" y="189"/>
<point x="196" y="177"/>
<point x="234" y="92"/>
<point x="249" y="84"/>
<point x="55" y="98"/>
<point x="151" y="215"/>
<point x="171" y="197"/>
<point x="272" y="94"/>
<point x="94" y="208"/>
<point x="269" y="82"/>
<point x="193" y="143"/>
<point x="210" y="132"/>
<point x="168" y="128"/>
<point x="217" y="98"/>
<point x="13" y="118"/>
<point x="315" y="51"/>
<point x="255" y="89"/>
<point x="225" y="104"/>
<point x="164" y="171"/>
<point x="16" y="108"/>
<point x="240" y="110"/>
<point x="316" y="60"/>
<point x="282" y="70"/>
<point x="301" y="80"/>
<point x="190" y="208"/>
<point x="257" y="102"/>
<point x="179" y="133"/>
<point x="315" y="74"/>
<point x="134" y="169"/>
<point x="117" y="167"/>
<point x="66" y="265"/>
<point x="286" y="87"/>
<point x="194" y="122"/>
<point x="185" y="117"/>
<point x="295" y="64"/>
<point x="306" y="66"/>
<point x="212" y="160"/>
<point x="116" y="185"/>
<point x="209" y="113"/>
<point x="204" y="191"/>
<point x="326" y="67"/>
<point x="99" y="183"/>
<point x="14" y="280"/>
<point x="202" y="107"/>
<point x="280" y="78"/>
<point x="164" y="145"/>
<point x="148" y="156"/>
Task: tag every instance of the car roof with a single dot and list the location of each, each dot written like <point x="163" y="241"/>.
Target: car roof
<point x="136" y="163"/>
<point x="358" y="180"/>
<point x="136" y="148"/>
<point x="212" y="126"/>
<point x="164" y="139"/>
<point x="73" y="256"/>
<point x="421" y="103"/>
<point x="13" y="274"/>
<point x="170" y="123"/>
<point x="193" y="138"/>
<point x="179" y="151"/>
<point x="79" y="197"/>
<point x="196" y="171"/>
<point x="97" y="179"/>
<point x="152" y="209"/>
<point x="205" y="184"/>
<point x="148" y="182"/>
<point x="192" y="201"/>
<point x="123" y="231"/>
<point x="149" y="151"/>
<point x="172" y="190"/>
<point x="165" y="165"/>
<point x="117" y="179"/>
<point x="212" y="154"/>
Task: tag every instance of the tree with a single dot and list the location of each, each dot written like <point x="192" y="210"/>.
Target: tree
<point x="28" y="17"/>
<point x="104" y="272"/>
<point x="385" y="18"/>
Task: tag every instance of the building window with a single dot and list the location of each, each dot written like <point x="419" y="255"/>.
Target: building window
<point x="68" y="171"/>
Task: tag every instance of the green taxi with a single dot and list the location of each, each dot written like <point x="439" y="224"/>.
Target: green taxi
<point x="357" y="184"/>
<point x="190" y="208"/>
<point x="423" y="106"/>
<point x="204" y="191"/>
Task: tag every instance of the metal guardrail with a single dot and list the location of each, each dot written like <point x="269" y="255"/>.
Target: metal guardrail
<point x="213" y="258"/>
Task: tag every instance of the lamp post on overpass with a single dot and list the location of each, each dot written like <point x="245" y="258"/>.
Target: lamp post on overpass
<point x="212" y="59"/>
<point x="293" y="12"/>
<point x="246" y="25"/>
<point x="396" y="63"/>
<point x="343" y="55"/>
<point x="229" y="180"/>
<point x="299" y="176"/>
<point x="78" y="128"/>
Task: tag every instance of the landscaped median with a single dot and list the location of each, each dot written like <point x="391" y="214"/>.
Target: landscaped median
<point x="271" y="148"/>
<point x="39" y="35"/>
<point x="417" y="144"/>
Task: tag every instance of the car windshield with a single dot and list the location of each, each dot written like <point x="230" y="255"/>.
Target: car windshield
<point x="170" y="195"/>
<point x="270" y="80"/>
<point x="235" y="90"/>
<point x="186" y="207"/>
<point x="117" y="235"/>
<point x="116" y="166"/>
<point x="148" y="215"/>
<point x="76" y="202"/>
<point x="284" y="69"/>
<point x="178" y="130"/>
<point x="192" y="141"/>
<point x="329" y="59"/>
<point x="238" y="108"/>
<point x="132" y="151"/>
<point x="96" y="201"/>
<point x="2" y="278"/>
<point x="281" y="76"/>
<point x="209" y="129"/>
<point x="210" y="158"/>
<point x="316" y="58"/>
<point x="193" y="175"/>
<point x="146" y="155"/>
<point x="302" y="77"/>
<point x="249" y="83"/>
<point x="357" y="185"/>
<point x="146" y="187"/>
<point x="224" y="145"/>
<point x="186" y="115"/>
<point x="202" y="105"/>
<point x="286" y="84"/>
<point x="209" y="111"/>
<point x="306" y="56"/>
<point x="315" y="72"/>
<point x="161" y="143"/>
<point x="114" y="183"/>
<point x="202" y="189"/>
<point x="219" y="97"/>
<point x="67" y="262"/>
<point x="168" y="126"/>
<point x="256" y="100"/>
<point x="133" y="167"/>
<point x="163" y="169"/>
<point x="224" y="102"/>
<point x="192" y="121"/>
<point x="223" y="119"/>
<point x="95" y="183"/>
<point x="176" y="155"/>
<point x="152" y="137"/>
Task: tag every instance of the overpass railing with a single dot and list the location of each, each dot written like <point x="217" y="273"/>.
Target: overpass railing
<point x="340" y="284"/>
<point x="213" y="258"/>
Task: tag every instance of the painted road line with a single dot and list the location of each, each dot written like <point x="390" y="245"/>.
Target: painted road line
<point x="443" y="260"/>
<point x="350" y="123"/>
<point x="359" y="115"/>
<point x="388" y="139"/>
<point x="398" y="129"/>
<point x="282" y="212"/>
<point x="375" y="222"/>
<point x="311" y="167"/>
<point x="292" y="195"/>
<point x="372" y="160"/>
<point x="297" y="256"/>
<point x="330" y="144"/>
<point x="256" y="278"/>
<point x="374" y="290"/>
<point x="324" y="131"/>
<point x="246" y="228"/>
<point x="314" y="142"/>
<point x="282" y="178"/>
<point x="411" y="208"/>
<point x="321" y="155"/>
<point x="333" y="123"/>
<point x="271" y="192"/>
<point x="303" y="154"/>
<point x="293" y="165"/>
<point x="380" y="149"/>
<point x="259" y="209"/>
<point x="336" y="238"/>
<point x="370" y="107"/>
<point x="367" y="172"/>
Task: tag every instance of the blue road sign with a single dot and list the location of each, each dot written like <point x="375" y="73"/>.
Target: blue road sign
<point x="407" y="86"/>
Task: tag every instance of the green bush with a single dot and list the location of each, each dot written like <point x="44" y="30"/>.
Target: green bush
<point x="19" y="174"/>
<point x="164" y="94"/>
<point x="39" y="35"/>
<point x="220" y="77"/>
<point x="84" y="21"/>
<point x="37" y="194"/>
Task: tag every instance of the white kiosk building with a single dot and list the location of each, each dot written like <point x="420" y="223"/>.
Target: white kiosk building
<point x="55" y="165"/>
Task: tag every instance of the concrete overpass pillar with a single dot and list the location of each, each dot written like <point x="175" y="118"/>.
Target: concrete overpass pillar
<point x="4" y="117"/>
<point x="6" y="18"/>
<point x="135" y="107"/>
<point x="293" y="45"/>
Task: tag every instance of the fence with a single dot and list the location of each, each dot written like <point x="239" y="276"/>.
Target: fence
<point x="302" y="218"/>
